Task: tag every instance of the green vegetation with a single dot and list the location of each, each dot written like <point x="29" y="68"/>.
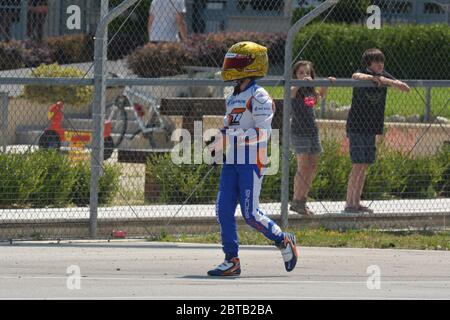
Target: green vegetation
<point x="397" y="102"/>
<point x="394" y="175"/>
<point x="176" y="182"/>
<point x="74" y="95"/>
<point x="412" y="51"/>
<point x="50" y="179"/>
<point x="348" y="11"/>
<point x="71" y="48"/>
<point x="439" y="240"/>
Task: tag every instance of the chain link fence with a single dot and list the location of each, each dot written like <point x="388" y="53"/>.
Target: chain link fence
<point x="90" y="121"/>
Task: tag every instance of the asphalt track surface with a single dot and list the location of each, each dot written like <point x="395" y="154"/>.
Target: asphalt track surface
<point x="149" y="270"/>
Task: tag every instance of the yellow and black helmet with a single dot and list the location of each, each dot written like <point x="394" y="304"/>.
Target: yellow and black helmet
<point x="244" y="60"/>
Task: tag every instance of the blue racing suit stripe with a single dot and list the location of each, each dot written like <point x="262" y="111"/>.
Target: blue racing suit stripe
<point x="226" y="204"/>
<point x="242" y="182"/>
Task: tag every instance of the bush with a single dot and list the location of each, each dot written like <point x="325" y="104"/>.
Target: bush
<point x="36" y="53"/>
<point x="346" y="11"/>
<point x="128" y="31"/>
<point x="108" y="185"/>
<point x="157" y="60"/>
<point x="73" y="48"/>
<point x="299" y="13"/>
<point x="349" y="11"/>
<point x="412" y="51"/>
<point x="50" y="179"/>
<point x="168" y="59"/>
<point x="74" y="95"/>
<point x="442" y="168"/>
<point x="176" y="182"/>
<point x="125" y="43"/>
<point x="332" y="174"/>
<point x="209" y="49"/>
<point x="28" y="53"/>
<point x="330" y="182"/>
<point x="11" y="55"/>
<point x="393" y="176"/>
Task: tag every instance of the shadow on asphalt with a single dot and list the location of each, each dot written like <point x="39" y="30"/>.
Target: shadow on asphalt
<point x="197" y="277"/>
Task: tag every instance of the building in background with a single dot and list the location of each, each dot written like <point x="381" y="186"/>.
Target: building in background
<point x="205" y="16"/>
<point x="402" y="11"/>
<point x="275" y="15"/>
<point x="417" y="11"/>
<point x="44" y="18"/>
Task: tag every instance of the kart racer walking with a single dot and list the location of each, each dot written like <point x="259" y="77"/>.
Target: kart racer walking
<point x="243" y="141"/>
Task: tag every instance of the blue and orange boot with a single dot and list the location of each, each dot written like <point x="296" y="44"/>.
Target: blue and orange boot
<point x="228" y="268"/>
<point x="288" y="251"/>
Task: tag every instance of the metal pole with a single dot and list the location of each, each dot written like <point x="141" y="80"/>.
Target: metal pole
<point x="98" y="118"/>
<point x="24" y="19"/>
<point x="98" y="112"/>
<point x="4" y="118"/>
<point x="198" y="82"/>
<point x="426" y="115"/>
<point x="287" y="103"/>
<point x="288" y="9"/>
<point x="323" y="107"/>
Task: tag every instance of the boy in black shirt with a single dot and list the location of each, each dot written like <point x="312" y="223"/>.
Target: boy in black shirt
<point x="365" y="121"/>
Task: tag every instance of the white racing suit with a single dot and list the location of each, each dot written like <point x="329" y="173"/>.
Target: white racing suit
<point x="247" y="129"/>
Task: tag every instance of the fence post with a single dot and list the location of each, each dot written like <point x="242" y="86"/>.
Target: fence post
<point x="98" y="116"/>
<point x="23" y="19"/>
<point x="287" y="103"/>
<point x="427" y="113"/>
<point x="323" y="107"/>
<point x="4" y="118"/>
<point x="98" y="105"/>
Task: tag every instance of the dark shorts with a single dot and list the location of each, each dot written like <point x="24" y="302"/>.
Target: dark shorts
<point x="362" y="147"/>
<point x="304" y="144"/>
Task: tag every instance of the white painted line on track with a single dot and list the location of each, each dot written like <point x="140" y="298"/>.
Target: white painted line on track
<point x="226" y="298"/>
<point x="231" y="280"/>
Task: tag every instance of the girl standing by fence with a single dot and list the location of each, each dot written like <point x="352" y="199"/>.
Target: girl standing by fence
<point x="305" y="134"/>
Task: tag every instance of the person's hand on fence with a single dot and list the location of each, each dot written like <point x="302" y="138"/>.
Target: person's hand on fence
<point x="324" y="90"/>
<point x="400" y="85"/>
<point x="367" y="77"/>
<point x="378" y="81"/>
<point x="387" y="82"/>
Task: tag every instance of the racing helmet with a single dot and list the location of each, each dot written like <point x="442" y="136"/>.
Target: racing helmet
<point x="244" y="60"/>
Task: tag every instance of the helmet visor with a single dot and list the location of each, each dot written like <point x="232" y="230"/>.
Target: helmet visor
<point x="236" y="61"/>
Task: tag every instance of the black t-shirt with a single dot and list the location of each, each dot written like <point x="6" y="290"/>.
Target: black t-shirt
<point x="303" y="117"/>
<point x="368" y="105"/>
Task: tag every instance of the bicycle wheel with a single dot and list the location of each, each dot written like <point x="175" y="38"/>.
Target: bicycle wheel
<point x="115" y="112"/>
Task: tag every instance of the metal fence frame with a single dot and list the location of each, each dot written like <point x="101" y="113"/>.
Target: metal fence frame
<point x="100" y="81"/>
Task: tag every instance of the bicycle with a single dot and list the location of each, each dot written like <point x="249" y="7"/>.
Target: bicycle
<point x="116" y="114"/>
